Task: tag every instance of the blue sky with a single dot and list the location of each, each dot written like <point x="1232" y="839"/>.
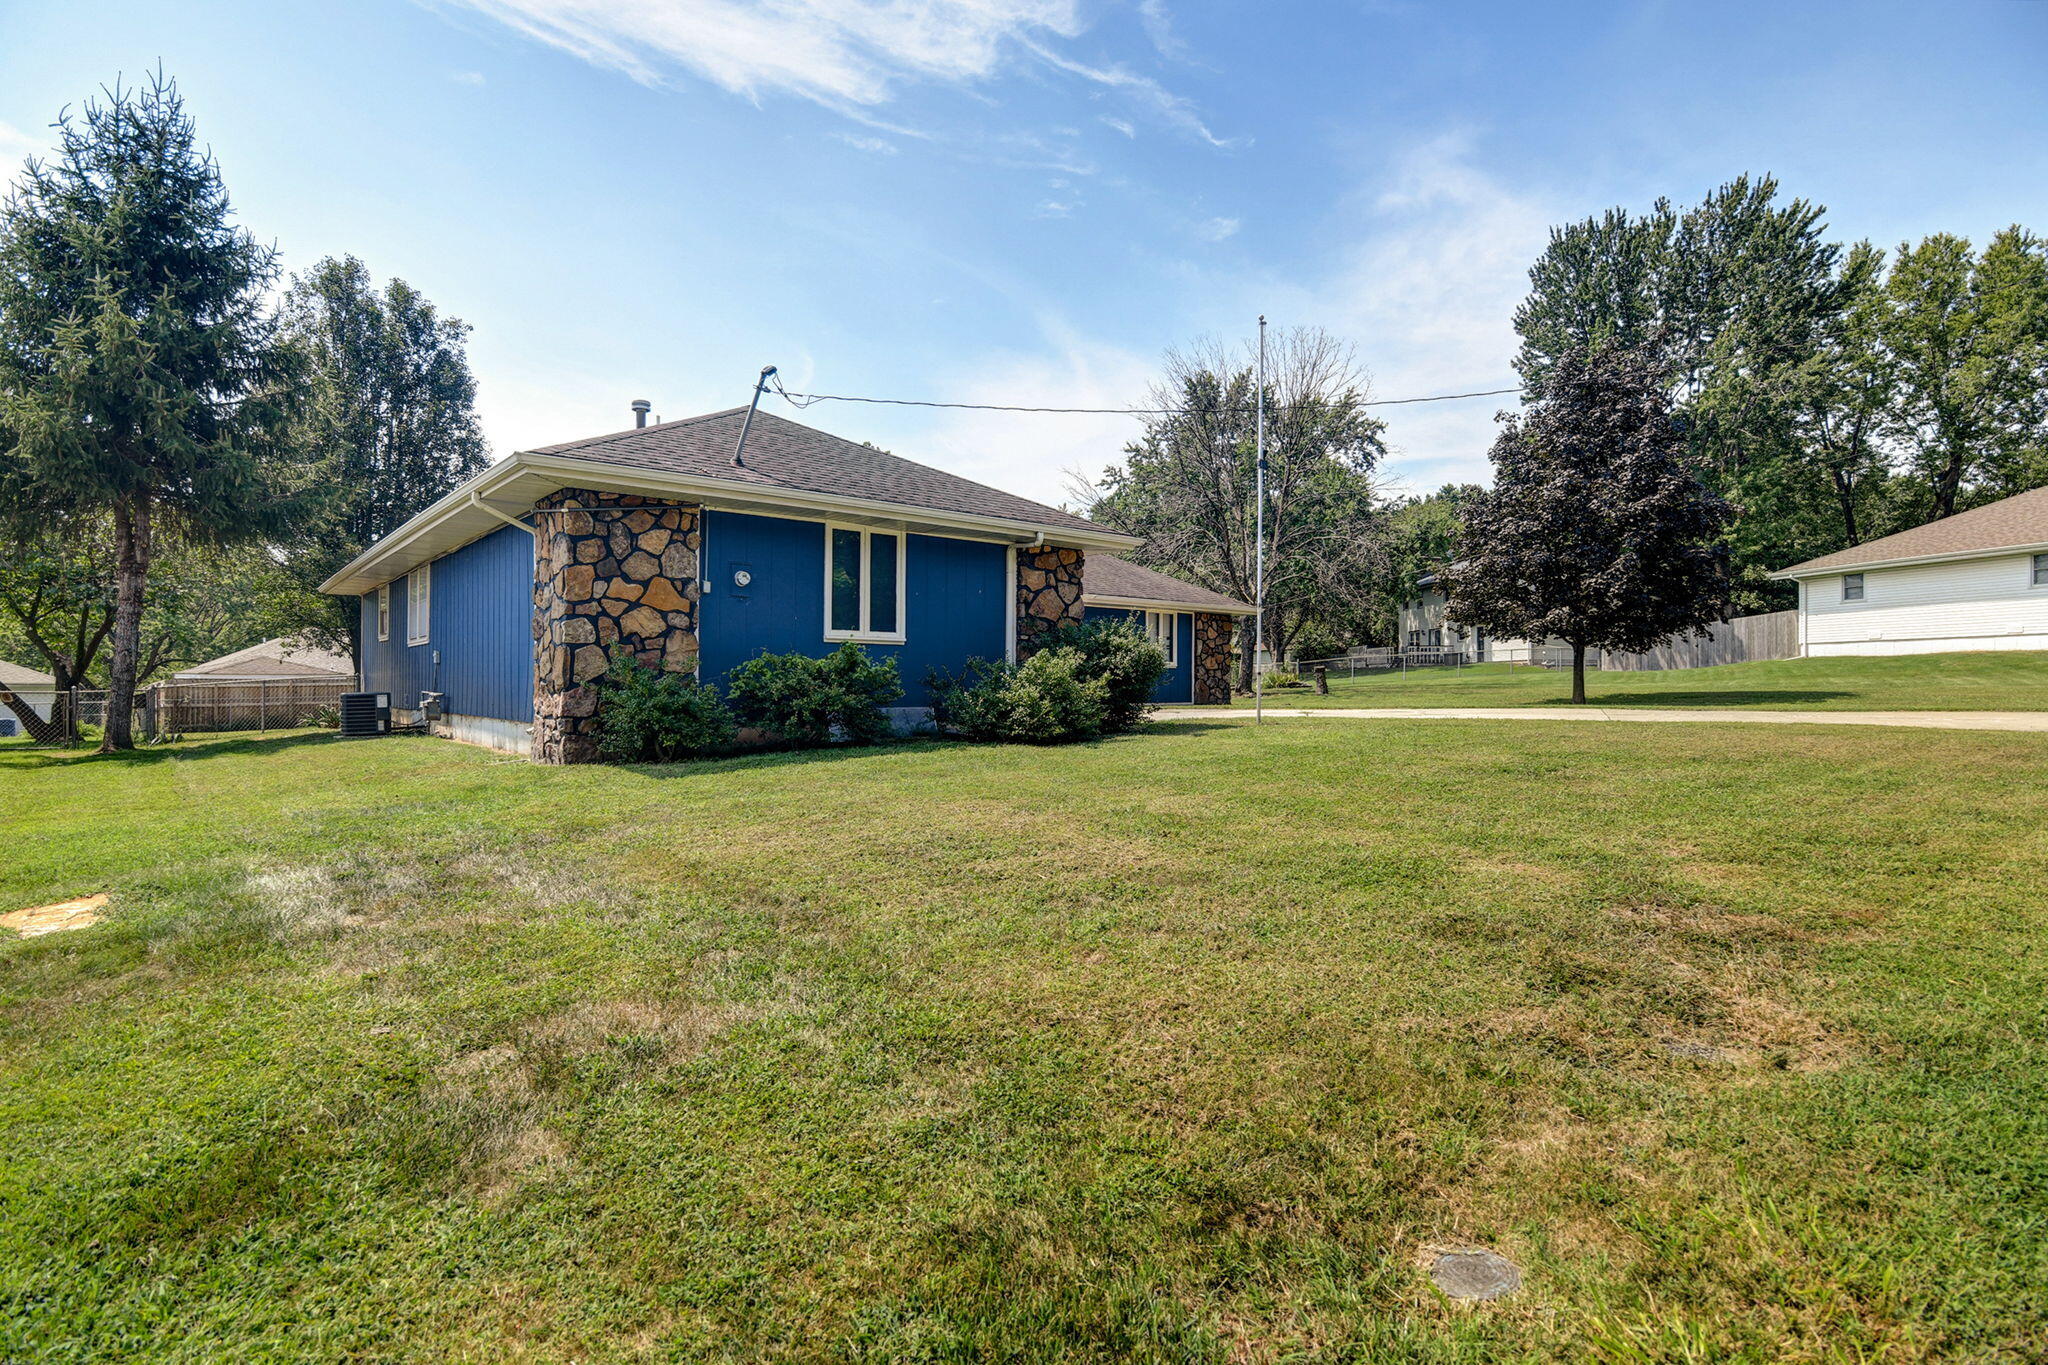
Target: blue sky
<point x="1026" y="201"/>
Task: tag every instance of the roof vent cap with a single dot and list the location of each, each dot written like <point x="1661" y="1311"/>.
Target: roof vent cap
<point x="641" y="407"/>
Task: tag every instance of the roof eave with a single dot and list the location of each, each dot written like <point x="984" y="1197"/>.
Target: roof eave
<point x="381" y="563"/>
<point x="1095" y="599"/>
<point x="1798" y="571"/>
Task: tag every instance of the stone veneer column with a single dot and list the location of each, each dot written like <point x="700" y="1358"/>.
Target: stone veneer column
<point x="1212" y="658"/>
<point x="1048" y="592"/>
<point x="607" y="568"/>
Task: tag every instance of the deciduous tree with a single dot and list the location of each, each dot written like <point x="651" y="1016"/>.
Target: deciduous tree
<point x="1597" y="529"/>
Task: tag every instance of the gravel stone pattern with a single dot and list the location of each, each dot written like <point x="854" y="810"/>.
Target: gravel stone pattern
<point x="1048" y="592"/>
<point x="608" y="568"/>
<point x="1212" y="658"/>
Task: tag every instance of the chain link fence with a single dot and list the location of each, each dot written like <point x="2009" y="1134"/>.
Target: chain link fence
<point x="165" y="709"/>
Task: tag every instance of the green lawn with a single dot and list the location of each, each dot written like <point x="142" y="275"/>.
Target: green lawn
<point x="2015" y="680"/>
<point x="1181" y="1047"/>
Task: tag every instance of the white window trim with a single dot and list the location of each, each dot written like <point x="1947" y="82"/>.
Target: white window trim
<point x="1172" y="619"/>
<point x="383" y="610"/>
<point x="1862" y="588"/>
<point x="2037" y="571"/>
<point x="864" y="635"/>
<point x="419" y="604"/>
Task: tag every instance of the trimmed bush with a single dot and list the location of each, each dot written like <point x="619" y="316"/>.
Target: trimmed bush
<point x="806" y="701"/>
<point x="1280" y="677"/>
<point x="1127" y="662"/>
<point x="1048" y="699"/>
<point x="648" y="716"/>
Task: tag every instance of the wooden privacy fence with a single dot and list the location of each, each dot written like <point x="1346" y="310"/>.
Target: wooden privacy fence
<point x="176" y="708"/>
<point x="1774" y="635"/>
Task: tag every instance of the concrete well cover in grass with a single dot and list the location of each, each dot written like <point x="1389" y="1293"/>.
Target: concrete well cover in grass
<point x="1475" y="1275"/>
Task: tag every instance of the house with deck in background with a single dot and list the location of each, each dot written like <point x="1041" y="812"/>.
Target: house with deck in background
<point x="1975" y="580"/>
<point x="495" y="610"/>
<point x="1425" y="627"/>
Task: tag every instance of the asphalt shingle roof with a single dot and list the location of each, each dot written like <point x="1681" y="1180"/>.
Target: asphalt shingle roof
<point x="2017" y="521"/>
<point x="785" y="454"/>
<point x="1104" y="575"/>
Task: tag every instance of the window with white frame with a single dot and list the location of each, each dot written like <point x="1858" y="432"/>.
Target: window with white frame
<point x="2041" y="571"/>
<point x="419" y="603"/>
<point x="1162" y="628"/>
<point x="384" y="612"/>
<point x="863" y="585"/>
<point x="1852" y="587"/>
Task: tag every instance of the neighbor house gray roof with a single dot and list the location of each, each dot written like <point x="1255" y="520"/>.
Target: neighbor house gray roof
<point x="785" y="454"/>
<point x="1104" y="576"/>
<point x="273" y="659"/>
<point x="2016" y="523"/>
<point x="15" y="675"/>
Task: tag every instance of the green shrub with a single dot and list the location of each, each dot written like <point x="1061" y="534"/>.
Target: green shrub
<point x="1048" y="699"/>
<point x="807" y="701"/>
<point x="1280" y="677"/>
<point x="645" y="715"/>
<point x="1127" y="662"/>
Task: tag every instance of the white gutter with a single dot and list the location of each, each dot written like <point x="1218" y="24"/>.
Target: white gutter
<point x="1800" y="571"/>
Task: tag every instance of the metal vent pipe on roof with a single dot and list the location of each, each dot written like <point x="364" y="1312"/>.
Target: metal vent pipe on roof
<point x="641" y="407"/>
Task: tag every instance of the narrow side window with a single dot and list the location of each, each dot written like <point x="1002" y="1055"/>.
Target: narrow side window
<point x="1852" y="587"/>
<point x="384" y="612"/>
<point x="2041" y="571"/>
<point x="419" y="604"/>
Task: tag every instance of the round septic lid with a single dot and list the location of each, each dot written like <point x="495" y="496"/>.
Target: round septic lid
<point x="1475" y="1275"/>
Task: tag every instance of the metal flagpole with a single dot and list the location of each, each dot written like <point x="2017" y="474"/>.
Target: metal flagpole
<point x="1259" y="554"/>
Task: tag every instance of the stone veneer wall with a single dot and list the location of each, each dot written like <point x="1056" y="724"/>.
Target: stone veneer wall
<point x="607" y="568"/>
<point x="1048" y="592"/>
<point x="1212" y="658"/>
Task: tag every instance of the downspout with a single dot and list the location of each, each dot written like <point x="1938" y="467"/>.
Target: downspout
<point x="477" y="502"/>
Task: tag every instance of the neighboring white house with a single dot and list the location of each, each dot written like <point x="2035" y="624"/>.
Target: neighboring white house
<point x="280" y="660"/>
<point x="1976" y="580"/>
<point x="29" y="688"/>
<point x="1424" y="627"/>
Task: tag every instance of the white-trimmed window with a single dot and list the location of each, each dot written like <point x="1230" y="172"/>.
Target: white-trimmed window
<point x="419" y="603"/>
<point x="1852" y="587"/>
<point x="863" y="585"/>
<point x="2040" y="579"/>
<point x="1162" y="628"/>
<point x="384" y="612"/>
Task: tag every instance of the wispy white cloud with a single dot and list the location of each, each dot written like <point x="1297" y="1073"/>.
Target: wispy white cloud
<point x="848" y="55"/>
<point x="1121" y="125"/>
<point x="1217" y="229"/>
<point x="1056" y="208"/>
<point x="1429" y="290"/>
<point x="878" y="145"/>
<point x="17" y="147"/>
<point x="467" y="77"/>
<point x="1159" y="28"/>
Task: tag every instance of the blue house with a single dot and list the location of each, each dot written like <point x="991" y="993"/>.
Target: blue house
<point x="506" y="597"/>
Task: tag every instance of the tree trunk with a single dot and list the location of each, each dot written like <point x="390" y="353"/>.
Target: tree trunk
<point x="131" y="576"/>
<point x="1578" y="673"/>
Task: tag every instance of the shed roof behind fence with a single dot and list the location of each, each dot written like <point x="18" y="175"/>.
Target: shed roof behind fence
<point x="273" y="660"/>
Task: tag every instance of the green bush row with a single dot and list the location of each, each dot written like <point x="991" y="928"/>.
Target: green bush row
<point x="1085" y="680"/>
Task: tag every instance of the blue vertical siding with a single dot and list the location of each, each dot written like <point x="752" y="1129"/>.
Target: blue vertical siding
<point x="480" y="623"/>
<point x="1176" y="683"/>
<point x="956" y="595"/>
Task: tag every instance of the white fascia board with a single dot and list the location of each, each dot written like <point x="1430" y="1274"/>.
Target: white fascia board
<point x="465" y="514"/>
<point x="1797" y="572"/>
<point x="1162" y="604"/>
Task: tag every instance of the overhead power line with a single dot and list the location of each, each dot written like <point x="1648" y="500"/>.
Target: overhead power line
<point x="804" y="400"/>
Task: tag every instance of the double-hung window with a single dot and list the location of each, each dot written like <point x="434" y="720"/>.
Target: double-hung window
<point x="2040" y="579"/>
<point x="1852" y="587"/>
<point x="863" y="585"/>
<point x="1162" y="628"/>
<point x="384" y="612"/>
<point x="419" y="603"/>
